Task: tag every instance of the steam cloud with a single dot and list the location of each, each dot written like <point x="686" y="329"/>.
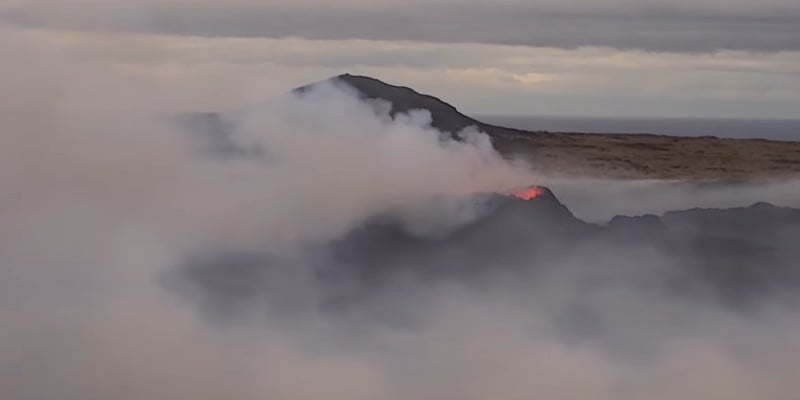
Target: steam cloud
<point x="102" y="195"/>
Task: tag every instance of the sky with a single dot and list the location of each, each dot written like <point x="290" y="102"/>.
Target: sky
<point x="702" y="58"/>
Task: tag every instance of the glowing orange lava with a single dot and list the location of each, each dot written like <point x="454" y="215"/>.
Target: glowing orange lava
<point x="530" y="192"/>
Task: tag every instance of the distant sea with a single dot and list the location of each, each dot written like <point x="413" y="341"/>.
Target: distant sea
<point x="776" y="129"/>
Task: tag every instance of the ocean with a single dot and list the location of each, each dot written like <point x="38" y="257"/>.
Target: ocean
<point x="776" y="129"/>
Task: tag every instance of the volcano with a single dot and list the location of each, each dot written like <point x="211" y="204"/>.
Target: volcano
<point x="709" y="250"/>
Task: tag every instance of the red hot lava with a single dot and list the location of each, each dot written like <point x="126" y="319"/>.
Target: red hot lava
<point x="527" y="193"/>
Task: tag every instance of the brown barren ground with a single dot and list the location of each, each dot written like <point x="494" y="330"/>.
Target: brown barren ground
<point x="653" y="156"/>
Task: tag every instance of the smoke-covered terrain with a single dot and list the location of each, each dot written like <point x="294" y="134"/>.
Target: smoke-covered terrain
<point x="319" y="246"/>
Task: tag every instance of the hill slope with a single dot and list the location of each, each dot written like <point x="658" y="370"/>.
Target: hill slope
<point x="614" y="155"/>
<point x="445" y="117"/>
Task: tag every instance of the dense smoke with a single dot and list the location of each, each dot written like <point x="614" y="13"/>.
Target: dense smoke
<point x="105" y="199"/>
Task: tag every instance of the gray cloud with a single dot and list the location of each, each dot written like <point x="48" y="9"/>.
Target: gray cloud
<point x="636" y="24"/>
<point x="222" y="73"/>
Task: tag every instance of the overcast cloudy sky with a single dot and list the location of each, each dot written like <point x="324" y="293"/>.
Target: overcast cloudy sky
<point x="715" y="58"/>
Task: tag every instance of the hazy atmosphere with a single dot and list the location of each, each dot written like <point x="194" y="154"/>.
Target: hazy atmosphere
<point x="717" y="58"/>
<point x="176" y="222"/>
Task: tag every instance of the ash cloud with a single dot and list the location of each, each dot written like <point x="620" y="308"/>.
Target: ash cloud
<point x="104" y="200"/>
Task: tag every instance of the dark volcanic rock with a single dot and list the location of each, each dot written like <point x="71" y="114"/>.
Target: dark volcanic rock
<point x="761" y="222"/>
<point x="645" y="224"/>
<point x="706" y="252"/>
<point x="513" y="219"/>
<point x="514" y="228"/>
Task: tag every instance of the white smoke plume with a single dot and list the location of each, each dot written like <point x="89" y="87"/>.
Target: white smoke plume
<point x="101" y="195"/>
